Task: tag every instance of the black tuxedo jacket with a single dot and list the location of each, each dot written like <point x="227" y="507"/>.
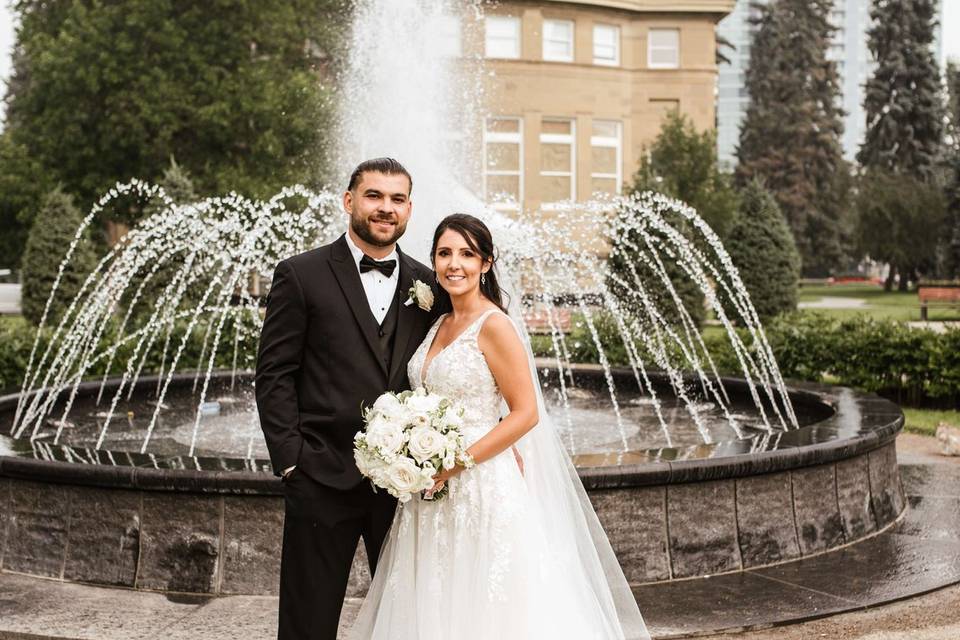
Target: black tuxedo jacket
<point x="318" y="363"/>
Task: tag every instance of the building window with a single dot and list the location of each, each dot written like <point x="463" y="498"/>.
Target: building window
<point x="558" y="40"/>
<point x="449" y="39"/>
<point x="502" y="37"/>
<point x="606" y="45"/>
<point x="557" y="161"/>
<point x="663" y="50"/>
<point x="503" y="162"/>
<point x="606" y="157"/>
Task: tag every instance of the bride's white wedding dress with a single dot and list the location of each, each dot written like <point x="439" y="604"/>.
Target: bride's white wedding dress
<point x="486" y="562"/>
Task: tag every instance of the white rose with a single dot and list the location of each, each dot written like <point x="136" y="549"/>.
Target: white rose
<point x="417" y="419"/>
<point x="368" y="463"/>
<point x="385" y="435"/>
<point x="452" y="419"/>
<point x="423" y="295"/>
<point x="403" y="476"/>
<point x="424" y="403"/>
<point x="426" y="443"/>
<point x="387" y="404"/>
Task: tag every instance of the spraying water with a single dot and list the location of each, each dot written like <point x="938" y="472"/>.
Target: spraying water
<point x="192" y="271"/>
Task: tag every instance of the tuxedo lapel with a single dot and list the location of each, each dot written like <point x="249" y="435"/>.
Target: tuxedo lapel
<point x="407" y="316"/>
<point x="345" y="270"/>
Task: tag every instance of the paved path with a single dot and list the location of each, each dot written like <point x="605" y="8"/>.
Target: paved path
<point x="834" y="302"/>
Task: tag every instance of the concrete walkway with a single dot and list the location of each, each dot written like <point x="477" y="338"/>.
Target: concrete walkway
<point x="919" y="554"/>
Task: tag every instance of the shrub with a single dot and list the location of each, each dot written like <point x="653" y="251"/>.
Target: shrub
<point x="762" y="248"/>
<point x="53" y="230"/>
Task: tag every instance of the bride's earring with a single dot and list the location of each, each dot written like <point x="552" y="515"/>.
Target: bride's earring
<point x="437" y="278"/>
<point x="483" y="278"/>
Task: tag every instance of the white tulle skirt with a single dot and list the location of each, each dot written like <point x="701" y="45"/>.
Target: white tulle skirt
<point x="480" y="564"/>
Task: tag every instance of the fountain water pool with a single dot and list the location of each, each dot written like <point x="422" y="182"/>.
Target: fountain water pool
<point x="183" y="504"/>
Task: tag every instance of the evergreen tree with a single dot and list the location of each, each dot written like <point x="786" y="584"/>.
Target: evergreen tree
<point x="682" y="164"/>
<point x="953" y="218"/>
<point x="53" y="230"/>
<point x="953" y="104"/>
<point x="790" y="137"/>
<point x="903" y="101"/>
<point x="763" y="250"/>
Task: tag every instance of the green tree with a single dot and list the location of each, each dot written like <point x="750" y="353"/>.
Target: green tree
<point x="903" y="99"/>
<point x="953" y="104"/>
<point x="953" y="172"/>
<point x="682" y="164"/>
<point x="900" y="222"/>
<point x="953" y="218"/>
<point x="764" y="252"/>
<point x="22" y="186"/>
<point x="790" y="137"/>
<point x="239" y="92"/>
<point x="50" y="237"/>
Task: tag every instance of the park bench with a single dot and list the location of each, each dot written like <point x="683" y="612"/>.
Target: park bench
<point x="937" y="295"/>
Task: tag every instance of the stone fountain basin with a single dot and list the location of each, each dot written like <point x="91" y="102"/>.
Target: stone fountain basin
<point x="213" y="525"/>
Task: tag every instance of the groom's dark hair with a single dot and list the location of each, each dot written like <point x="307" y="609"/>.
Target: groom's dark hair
<point x="388" y="166"/>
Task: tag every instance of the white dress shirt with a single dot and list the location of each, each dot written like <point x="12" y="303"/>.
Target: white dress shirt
<point x="379" y="288"/>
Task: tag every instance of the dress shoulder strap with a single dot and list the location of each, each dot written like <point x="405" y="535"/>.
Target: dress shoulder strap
<point x="474" y="330"/>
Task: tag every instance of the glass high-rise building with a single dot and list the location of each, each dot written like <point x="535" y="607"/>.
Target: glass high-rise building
<point x="849" y="50"/>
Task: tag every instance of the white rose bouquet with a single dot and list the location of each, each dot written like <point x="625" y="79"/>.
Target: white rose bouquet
<point x="408" y="438"/>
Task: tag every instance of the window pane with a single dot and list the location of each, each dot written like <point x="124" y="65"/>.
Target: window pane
<point x="603" y="159"/>
<point x="604" y="185"/>
<point x="606" y="128"/>
<point x="664" y="38"/>
<point x="558" y="40"/>
<point x="503" y="156"/>
<point x="502" y="37"/>
<point x="555" y="188"/>
<point x="664" y="48"/>
<point x="503" y="125"/>
<point x="606" y="44"/>
<point x="556" y="126"/>
<point x="448" y="36"/>
<point x="503" y="185"/>
<point x="555" y="157"/>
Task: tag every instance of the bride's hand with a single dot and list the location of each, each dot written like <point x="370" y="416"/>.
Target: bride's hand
<point x="441" y="479"/>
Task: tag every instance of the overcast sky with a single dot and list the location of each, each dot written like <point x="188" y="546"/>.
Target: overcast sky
<point x="951" y="35"/>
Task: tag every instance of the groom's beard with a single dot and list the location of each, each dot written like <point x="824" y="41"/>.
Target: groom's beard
<point x="361" y="227"/>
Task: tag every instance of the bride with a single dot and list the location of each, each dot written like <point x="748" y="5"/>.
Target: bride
<point x="514" y="551"/>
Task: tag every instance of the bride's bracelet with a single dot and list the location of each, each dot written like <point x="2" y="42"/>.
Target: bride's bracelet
<point x="466" y="460"/>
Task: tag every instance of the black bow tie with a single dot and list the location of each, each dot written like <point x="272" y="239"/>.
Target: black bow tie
<point x="385" y="267"/>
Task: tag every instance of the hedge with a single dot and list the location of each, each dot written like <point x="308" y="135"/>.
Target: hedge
<point x="911" y="366"/>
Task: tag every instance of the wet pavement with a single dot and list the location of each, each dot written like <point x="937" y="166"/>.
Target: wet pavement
<point x="918" y="554"/>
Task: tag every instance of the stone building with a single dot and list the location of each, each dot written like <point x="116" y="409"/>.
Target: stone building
<point x="579" y="89"/>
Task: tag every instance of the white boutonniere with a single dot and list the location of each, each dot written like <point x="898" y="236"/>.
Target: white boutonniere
<point x="422" y="294"/>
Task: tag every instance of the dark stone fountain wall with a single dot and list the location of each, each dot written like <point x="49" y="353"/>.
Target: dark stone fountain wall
<point x="704" y="528"/>
<point x="670" y="514"/>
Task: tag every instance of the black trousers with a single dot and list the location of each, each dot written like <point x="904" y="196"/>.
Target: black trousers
<point x="321" y="529"/>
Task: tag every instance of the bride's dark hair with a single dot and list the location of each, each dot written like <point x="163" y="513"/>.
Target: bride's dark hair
<point x="478" y="238"/>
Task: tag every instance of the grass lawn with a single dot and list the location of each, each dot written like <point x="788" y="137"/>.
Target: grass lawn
<point x="925" y="421"/>
<point x="879" y="304"/>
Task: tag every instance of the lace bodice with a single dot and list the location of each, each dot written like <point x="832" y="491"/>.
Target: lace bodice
<point x="460" y="372"/>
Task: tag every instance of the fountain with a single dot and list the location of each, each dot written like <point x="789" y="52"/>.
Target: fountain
<point x="158" y="481"/>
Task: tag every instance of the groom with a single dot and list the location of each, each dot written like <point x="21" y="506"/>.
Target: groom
<point x="338" y="332"/>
